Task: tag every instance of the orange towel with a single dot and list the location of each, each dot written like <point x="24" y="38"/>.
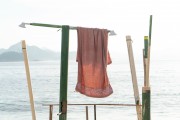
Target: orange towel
<point x="92" y="58"/>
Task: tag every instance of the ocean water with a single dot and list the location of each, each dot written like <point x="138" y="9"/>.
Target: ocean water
<point x="14" y="99"/>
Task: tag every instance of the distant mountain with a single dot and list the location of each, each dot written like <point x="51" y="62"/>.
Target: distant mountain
<point x="11" y="56"/>
<point x="2" y="50"/>
<point x="16" y="47"/>
<point x="14" y="53"/>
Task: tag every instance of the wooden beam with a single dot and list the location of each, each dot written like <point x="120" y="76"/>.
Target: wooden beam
<point x="134" y="78"/>
<point x="28" y="79"/>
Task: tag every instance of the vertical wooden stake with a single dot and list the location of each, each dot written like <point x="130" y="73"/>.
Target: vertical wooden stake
<point x="146" y="91"/>
<point x="144" y="65"/>
<point x="94" y="112"/>
<point x="146" y="45"/>
<point x="150" y="29"/>
<point x="28" y="79"/>
<point x="134" y="78"/>
<point x="50" y="112"/>
<point x="87" y="116"/>
<point x="64" y="73"/>
<point x="146" y="60"/>
<point x="149" y="48"/>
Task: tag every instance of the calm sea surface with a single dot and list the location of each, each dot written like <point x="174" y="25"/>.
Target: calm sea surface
<point x="14" y="99"/>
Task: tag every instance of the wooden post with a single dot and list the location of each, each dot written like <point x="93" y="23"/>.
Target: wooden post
<point x="146" y="90"/>
<point x="146" y="61"/>
<point x="134" y="78"/>
<point x="28" y="79"/>
<point x="144" y="65"/>
<point x="149" y="48"/>
<point x="64" y="73"/>
<point x="87" y="116"/>
<point x="146" y="45"/>
<point x="50" y="112"/>
<point x="94" y="112"/>
<point x="146" y="103"/>
<point x="150" y="29"/>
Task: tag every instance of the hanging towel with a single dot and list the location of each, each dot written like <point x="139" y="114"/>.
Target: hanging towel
<point x="92" y="58"/>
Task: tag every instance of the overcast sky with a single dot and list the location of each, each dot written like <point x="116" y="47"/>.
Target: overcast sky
<point x="125" y="17"/>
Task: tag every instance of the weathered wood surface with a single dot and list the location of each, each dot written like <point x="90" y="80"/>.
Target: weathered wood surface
<point x="28" y="79"/>
<point x="134" y="77"/>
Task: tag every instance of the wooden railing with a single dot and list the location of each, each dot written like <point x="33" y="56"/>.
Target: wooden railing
<point x="86" y="106"/>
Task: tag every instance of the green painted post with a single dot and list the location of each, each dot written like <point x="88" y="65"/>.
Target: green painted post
<point x="64" y="73"/>
<point x="146" y="103"/>
<point x="146" y="46"/>
<point x="146" y="91"/>
<point x="46" y="25"/>
<point x="64" y="66"/>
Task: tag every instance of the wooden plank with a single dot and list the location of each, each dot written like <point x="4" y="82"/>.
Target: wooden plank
<point x="134" y="78"/>
<point x="28" y="79"/>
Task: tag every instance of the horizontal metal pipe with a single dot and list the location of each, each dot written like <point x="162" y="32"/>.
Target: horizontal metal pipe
<point x="97" y="104"/>
<point x="57" y="26"/>
<point x="45" y="25"/>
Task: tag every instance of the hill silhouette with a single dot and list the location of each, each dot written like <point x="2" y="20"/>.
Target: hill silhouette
<point x="14" y="53"/>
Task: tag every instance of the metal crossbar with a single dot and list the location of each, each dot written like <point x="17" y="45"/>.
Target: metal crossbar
<point x="95" y="104"/>
<point x="86" y="105"/>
